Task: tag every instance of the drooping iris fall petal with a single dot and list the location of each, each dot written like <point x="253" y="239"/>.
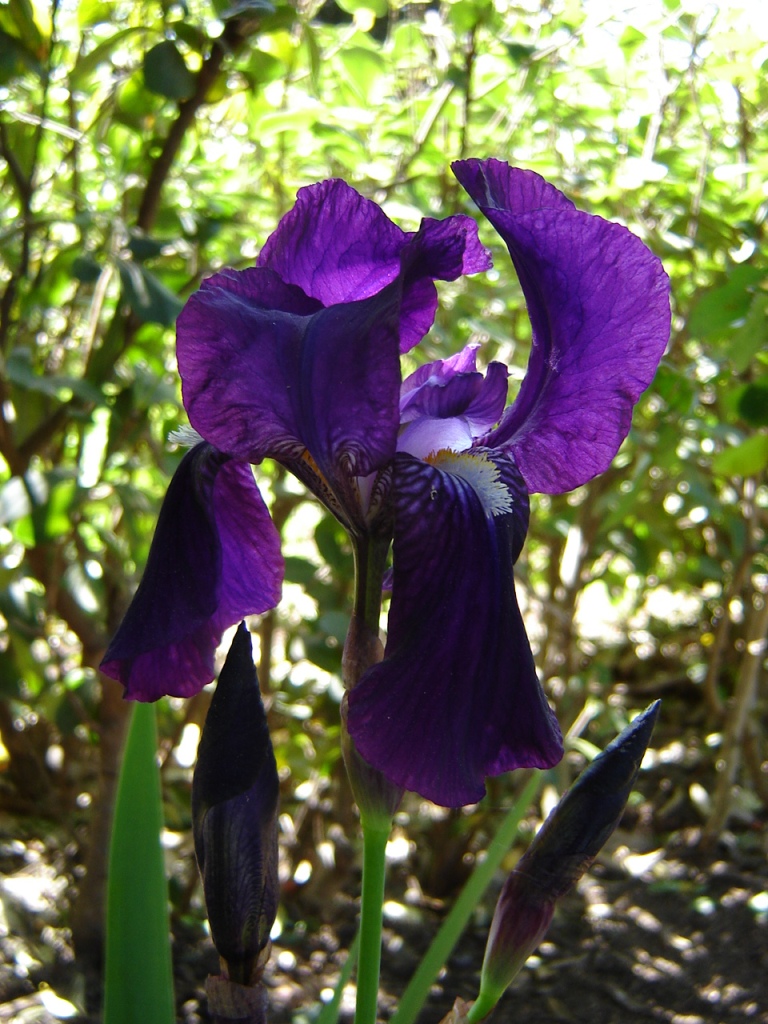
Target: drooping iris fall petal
<point x="598" y="300"/>
<point x="215" y="558"/>
<point x="456" y="697"/>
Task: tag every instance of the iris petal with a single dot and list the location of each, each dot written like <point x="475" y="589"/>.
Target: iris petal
<point x="456" y="697"/>
<point x="261" y="383"/>
<point x="438" y="372"/>
<point x="442" y="399"/>
<point x="340" y="247"/>
<point x="598" y="300"/>
<point x="440" y="250"/>
<point x="448" y="403"/>
<point x="214" y="559"/>
<point x="440" y="395"/>
<point x="335" y="244"/>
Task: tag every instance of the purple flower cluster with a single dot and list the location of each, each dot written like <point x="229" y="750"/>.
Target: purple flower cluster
<point x="298" y="359"/>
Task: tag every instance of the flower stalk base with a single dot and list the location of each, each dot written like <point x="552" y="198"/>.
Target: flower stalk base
<point x="228" y="1001"/>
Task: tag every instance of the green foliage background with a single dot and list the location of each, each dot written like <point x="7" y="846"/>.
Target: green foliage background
<point x="144" y="145"/>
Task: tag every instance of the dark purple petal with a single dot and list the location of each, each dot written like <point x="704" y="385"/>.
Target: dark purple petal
<point x="214" y="559"/>
<point x="456" y="697"/>
<point x="440" y="371"/>
<point x="500" y="190"/>
<point x="441" y="401"/>
<point x="487" y="408"/>
<point x="439" y="396"/>
<point x="234" y="814"/>
<point x="447" y="249"/>
<point x="258" y="286"/>
<point x="453" y="387"/>
<point x="339" y="247"/>
<point x="334" y="244"/>
<point x="261" y="383"/>
<point x="440" y="250"/>
<point x="598" y="300"/>
<point x="417" y="311"/>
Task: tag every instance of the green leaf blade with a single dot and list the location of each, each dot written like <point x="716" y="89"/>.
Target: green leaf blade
<point x="139" y="978"/>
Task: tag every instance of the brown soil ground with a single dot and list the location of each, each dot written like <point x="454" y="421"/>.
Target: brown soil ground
<point x="669" y="935"/>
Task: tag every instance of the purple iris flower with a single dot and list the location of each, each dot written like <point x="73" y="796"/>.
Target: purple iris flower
<point x="298" y="359"/>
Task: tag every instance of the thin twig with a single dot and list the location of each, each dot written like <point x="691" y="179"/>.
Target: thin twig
<point x="738" y="714"/>
<point x="234" y="34"/>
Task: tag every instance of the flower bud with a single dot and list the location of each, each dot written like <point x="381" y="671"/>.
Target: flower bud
<point x="564" y="847"/>
<point x="234" y="814"/>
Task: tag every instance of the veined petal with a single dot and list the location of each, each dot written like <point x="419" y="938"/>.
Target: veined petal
<point x="441" y="250"/>
<point x="456" y="697"/>
<point x="339" y="247"/>
<point x="214" y="559"/>
<point x="334" y="244"/>
<point x="262" y="383"/>
<point x="500" y="190"/>
<point x="598" y="300"/>
<point x="446" y="404"/>
<point x="441" y="399"/>
<point x="440" y="371"/>
<point x="446" y="249"/>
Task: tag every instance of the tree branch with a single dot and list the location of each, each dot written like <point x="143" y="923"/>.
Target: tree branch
<point x="235" y="32"/>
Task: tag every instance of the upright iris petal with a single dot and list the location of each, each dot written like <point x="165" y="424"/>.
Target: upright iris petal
<point x="448" y="403"/>
<point x="215" y="557"/>
<point x="339" y="247"/>
<point x="599" y="306"/>
<point x="260" y="382"/>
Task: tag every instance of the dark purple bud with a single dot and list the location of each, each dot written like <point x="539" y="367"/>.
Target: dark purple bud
<point x="564" y="847"/>
<point x="234" y="814"/>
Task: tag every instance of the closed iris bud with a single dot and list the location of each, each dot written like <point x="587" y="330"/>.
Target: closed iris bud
<point x="234" y="813"/>
<point x="565" y="846"/>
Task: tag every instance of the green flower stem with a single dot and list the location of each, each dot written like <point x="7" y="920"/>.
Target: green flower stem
<point x="371" y="914"/>
<point x="370" y="563"/>
<point x="418" y="988"/>
<point x="376" y="798"/>
<point x="482" y="1006"/>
